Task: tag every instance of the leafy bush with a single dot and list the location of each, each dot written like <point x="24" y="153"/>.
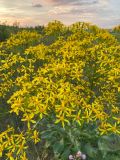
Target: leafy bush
<point x="60" y="97"/>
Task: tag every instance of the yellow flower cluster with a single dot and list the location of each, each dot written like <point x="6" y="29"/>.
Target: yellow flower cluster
<point x="15" y="144"/>
<point x="75" y="79"/>
<point x="22" y="38"/>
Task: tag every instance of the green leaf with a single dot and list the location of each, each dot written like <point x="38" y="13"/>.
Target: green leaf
<point x="65" y="154"/>
<point x="58" y="147"/>
<point x="109" y="143"/>
<point x="47" y="144"/>
<point x="91" y="151"/>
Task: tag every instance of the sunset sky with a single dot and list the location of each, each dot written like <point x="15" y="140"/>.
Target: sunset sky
<point x="105" y="13"/>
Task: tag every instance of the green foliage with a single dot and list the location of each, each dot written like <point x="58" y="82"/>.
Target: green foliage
<point x="6" y="30"/>
<point x="64" y="142"/>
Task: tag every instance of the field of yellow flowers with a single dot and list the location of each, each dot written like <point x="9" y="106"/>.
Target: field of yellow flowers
<point x="60" y="93"/>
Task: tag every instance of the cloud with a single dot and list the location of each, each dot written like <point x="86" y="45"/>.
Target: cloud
<point x="74" y="2"/>
<point x="15" y="3"/>
<point x="60" y="1"/>
<point x="85" y="2"/>
<point x="61" y="9"/>
<point x="76" y="7"/>
<point x="69" y="11"/>
<point x="37" y="5"/>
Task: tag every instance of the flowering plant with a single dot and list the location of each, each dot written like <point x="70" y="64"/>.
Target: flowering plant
<point x="73" y="80"/>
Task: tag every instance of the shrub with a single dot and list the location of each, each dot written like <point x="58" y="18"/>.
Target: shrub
<point x="65" y="93"/>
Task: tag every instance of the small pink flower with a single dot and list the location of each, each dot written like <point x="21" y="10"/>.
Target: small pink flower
<point x="83" y="156"/>
<point x="71" y="157"/>
<point x="78" y="155"/>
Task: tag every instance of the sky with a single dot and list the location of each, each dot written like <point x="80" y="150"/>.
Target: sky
<point x="104" y="13"/>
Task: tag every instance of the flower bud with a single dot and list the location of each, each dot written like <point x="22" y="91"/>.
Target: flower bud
<point x="83" y="156"/>
<point x="78" y="155"/>
<point x="71" y="157"/>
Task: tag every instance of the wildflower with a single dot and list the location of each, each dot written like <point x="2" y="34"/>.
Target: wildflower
<point x="22" y="146"/>
<point x="117" y="119"/>
<point x="28" y="118"/>
<point x="1" y="150"/>
<point x="71" y="157"/>
<point x="35" y="137"/>
<point x="83" y="156"/>
<point x="88" y="115"/>
<point x="10" y="155"/>
<point x="78" y="155"/>
<point x="114" y="128"/>
<point x="115" y="109"/>
<point x="61" y="118"/>
<point x="104" y="128"/>
<point x="78" y="118"/>
<point x="23" y="157"/>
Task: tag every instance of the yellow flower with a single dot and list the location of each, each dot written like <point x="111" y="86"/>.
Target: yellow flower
<point x="115" y="109"/>
<point x="114" y="129"/>
<point x="104" y="128"/>
<point x="61" y="118"/>
<point x="1" y="149"/>
<point x="88" y="115"/>
<point x="35" y="137"/>
<point x="22" y="146"/>
<point x="41" y="109"/>
<point x="117" y="119"/>
<point x="29" y="118"/>
<point x="63" y="108"/>
<point x="15" y="107"/>
<point x="23" y="156"/>
<point x="78" y="118"/>
<point x="9" y="155"/>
